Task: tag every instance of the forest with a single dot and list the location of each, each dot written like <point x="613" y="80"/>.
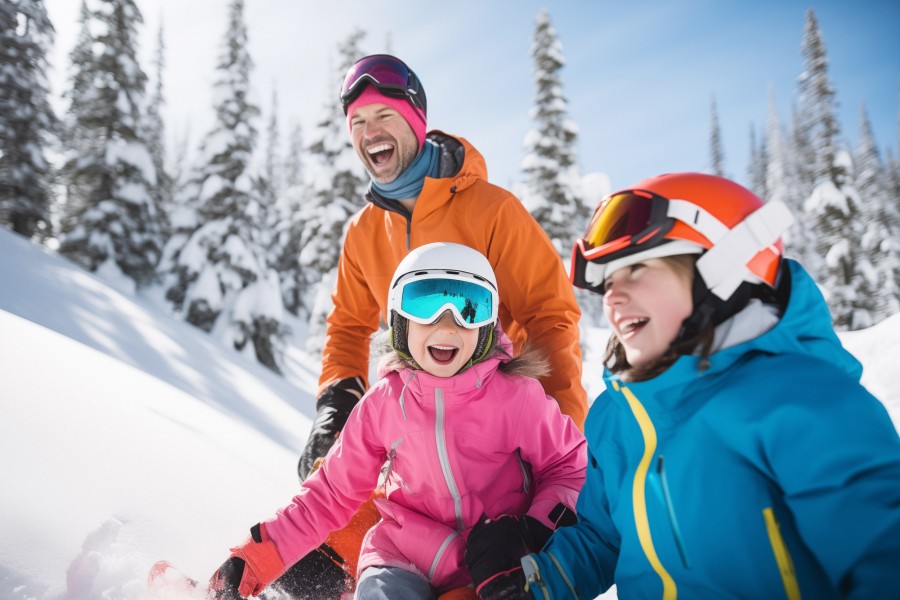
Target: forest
<point x="245" y="234"/>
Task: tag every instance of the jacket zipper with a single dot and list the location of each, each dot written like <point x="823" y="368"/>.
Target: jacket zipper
<point x="639" y="491"/>
<point x="670" y="509"/>
<point x="444" y="457"/>
<point x="526" y="475"/>
<point x="409" y="232"/>
<point x="782" y="555"/>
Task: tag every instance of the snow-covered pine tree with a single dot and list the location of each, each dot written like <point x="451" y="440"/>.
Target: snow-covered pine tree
<point x="272" y="166"/>
<point x="155" y="135"/>
<point x="783" y="185"/>
<point x="716" y="153"/>
<point x="816" y="127"/>
<point x="220" y="280"/>
<point x="335" y="190"/>
<point x="893" y="184"/>
<point x="880" y="242"/>
<point x="552" y="188"/>
<point x="111" y="221"/>
<point x="835" y="209"/>
<point x="758" y="164"/>
<point x="288" y="212"/>
<point x="293" y="162"/>
<point x="27" y="122"/>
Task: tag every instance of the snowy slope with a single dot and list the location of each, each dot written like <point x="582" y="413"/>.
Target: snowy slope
<point x="127" y="437"/>
<point x="106" y="469"/>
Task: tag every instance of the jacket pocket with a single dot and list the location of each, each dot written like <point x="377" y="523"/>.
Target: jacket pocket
<point x="534" y="581"/>
<point x="782" y="555"/>
<point x="405" y="537"/>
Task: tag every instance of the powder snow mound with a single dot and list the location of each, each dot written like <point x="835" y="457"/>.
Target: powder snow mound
<point x="108" y="566"/>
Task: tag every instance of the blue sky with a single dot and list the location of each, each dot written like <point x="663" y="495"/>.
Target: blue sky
<point x="640" y="76"/>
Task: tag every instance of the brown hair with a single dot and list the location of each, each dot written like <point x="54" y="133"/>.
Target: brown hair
<point x="615" y="360"/>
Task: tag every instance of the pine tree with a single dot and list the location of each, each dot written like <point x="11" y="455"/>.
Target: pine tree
<point x="27" y="122"/>
<point x="717" y="154"/>
<point x="551" y="173"/>
<point x="111" y="220"/>
<point x="293" y="162"/>
<point x="880" y="243"/>
<point x="289" y="208"/>
<point x="835" y="209"/>
<point x="155" y="134"/>
<point x="336" y="188"/>
<point x="817" y="128"/>
<point x="272" y="167"/>
<point x="758" y="165"/>
<point x="783" y="185"/>
<point x="220" y="280"/>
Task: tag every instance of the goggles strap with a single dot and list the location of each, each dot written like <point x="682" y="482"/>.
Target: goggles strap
<point x="704" y="222"/>
<point x="724" y="266"/>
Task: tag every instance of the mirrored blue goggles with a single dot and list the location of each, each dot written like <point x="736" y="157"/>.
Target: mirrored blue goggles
<point x="472" y="302"/>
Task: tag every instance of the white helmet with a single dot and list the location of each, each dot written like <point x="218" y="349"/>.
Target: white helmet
<point x="438" y="277"/>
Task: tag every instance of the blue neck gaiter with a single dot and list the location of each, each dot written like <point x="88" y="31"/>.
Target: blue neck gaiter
<point x="410" y="182"/>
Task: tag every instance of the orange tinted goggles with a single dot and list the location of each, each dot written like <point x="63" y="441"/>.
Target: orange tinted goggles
<point x="624" y="223"/>
<point x="630" y="218"/>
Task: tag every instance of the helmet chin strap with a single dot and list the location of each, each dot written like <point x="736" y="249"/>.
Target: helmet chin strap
<point x="723" y="284"/>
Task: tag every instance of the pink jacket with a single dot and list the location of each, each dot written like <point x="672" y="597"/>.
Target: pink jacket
<point x="453" y="448"/>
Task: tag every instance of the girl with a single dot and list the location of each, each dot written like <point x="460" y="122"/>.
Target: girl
<point x="734" y="453"/>
<point x="459" y="431"/>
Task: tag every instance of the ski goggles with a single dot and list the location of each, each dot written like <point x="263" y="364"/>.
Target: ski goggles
<point x="626" y="223"/>
<point x="631" y="218"/>
<point x="470" y="299"/>
<point x="389" y="75"/>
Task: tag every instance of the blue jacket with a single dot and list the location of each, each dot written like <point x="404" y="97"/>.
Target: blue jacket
<point x="771" y="474"/>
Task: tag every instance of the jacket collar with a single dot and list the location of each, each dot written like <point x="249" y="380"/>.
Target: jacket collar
<point x="804" y="328"/>
<point x="460" y="166"/>
<point x="463" y="384"/>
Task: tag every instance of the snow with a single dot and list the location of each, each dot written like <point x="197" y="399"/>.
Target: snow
<point x="128" y="436"/>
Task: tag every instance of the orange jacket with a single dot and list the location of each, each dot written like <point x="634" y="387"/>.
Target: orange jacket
<point x="536" y="298"/>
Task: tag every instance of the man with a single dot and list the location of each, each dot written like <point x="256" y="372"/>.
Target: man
<point x="428" y="188"/>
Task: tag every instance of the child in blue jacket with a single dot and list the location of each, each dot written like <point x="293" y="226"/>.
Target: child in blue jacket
<point x="734" y="453"/>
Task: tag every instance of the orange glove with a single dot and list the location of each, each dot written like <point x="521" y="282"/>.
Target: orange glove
<point x="251" y="567"/>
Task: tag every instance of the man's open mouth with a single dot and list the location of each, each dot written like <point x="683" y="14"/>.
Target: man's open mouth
<point x="379" y="154"/>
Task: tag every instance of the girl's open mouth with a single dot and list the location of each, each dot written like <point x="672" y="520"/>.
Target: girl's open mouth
<point x="442" y="354"/>
<point x="629" y="327"/>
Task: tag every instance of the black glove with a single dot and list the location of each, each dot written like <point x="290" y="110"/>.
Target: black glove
<point x="493" y="553"/>
<point x="332" y="409"/>
<point x="316" y="576"/>
<point x="494" y="550"/>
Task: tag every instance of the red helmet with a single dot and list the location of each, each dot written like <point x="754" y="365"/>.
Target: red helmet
<point x="737" y="234"/>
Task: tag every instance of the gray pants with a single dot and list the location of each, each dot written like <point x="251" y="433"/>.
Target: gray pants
<point x="391" y="583"/>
